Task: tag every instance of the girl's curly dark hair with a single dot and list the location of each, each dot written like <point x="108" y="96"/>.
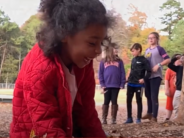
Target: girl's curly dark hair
<point x="67" y="17"/>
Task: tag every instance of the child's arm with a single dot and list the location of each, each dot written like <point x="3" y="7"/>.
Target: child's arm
<point x="100" y="74"/>
<point x="123" y="76"/>
<point x="148" y="69"/>
<point x="165" y="62"/>
<point x="42" y="103"/>
<point x="167" y="92"/>
<point x="172" y="66"/>
<point x="165" y="56"/>
<point x="128" y="74"/>
<point x="167" y="78"/>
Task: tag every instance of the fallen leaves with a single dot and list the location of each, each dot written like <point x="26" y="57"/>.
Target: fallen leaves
<point x="145" y="129"/>
<point x="5" y="119"/>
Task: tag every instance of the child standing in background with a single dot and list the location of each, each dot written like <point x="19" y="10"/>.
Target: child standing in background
<point x="170" y="87"/>
<point x="140" y="70"/>
<point x="157" y="58"/>
<point x="112" y="78"/>
<point x="176" y="66"/>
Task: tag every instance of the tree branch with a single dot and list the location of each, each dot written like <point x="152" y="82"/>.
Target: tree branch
<point x="4" y="44"/>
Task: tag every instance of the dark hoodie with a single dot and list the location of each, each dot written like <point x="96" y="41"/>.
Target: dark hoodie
<point x="179" y="73"/>
<point x="140" y="69"/>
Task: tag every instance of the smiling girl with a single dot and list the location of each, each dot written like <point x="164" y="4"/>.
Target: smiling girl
<point x="56" y="82"/>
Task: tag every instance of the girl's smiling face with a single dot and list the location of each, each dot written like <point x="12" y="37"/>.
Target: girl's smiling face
<point x="81" y="48"/>
<point x="74" y="30"/>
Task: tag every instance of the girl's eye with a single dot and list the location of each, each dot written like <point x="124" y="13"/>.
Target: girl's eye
<point x="92" y="44"/>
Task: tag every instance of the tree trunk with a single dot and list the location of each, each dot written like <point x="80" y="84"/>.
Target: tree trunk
<point x="2" y="61"/>
<point x="180" y="117"/>
<point x="6" y="80"/>
<point x="19" y="60"/>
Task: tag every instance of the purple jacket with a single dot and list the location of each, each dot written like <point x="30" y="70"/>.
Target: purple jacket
<point x="112" y="75"/>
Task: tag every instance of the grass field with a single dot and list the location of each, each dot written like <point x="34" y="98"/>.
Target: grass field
<point x="122" y="97"/>
<point x="100" y="97"/>
<point x="6" y="91"/>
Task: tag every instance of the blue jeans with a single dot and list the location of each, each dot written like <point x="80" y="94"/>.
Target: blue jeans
<point x="152" y="87"/>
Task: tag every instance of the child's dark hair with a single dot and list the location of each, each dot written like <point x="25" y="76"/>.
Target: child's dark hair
<point x="67" y="17"/>
<point x="136" y="46"/>
<point x="175" y="55"/>
<point x="157" y="36"/>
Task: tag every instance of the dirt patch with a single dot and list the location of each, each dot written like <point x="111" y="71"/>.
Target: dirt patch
<point x="145" y="129"/>
<point x="5" y="119"/>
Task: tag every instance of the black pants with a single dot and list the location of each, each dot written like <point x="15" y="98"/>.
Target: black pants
<point x="152" y="87"/>
<point x="130" y="95"/>
<point x="111" y="95"/>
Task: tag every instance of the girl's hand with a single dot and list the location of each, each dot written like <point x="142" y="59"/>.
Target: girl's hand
<point x="167" y="93"/>
<point x="103" y="90"/>
<point x="141" y="81"/>
<point x="182" y="60"/>
<point x="178" y="63"/>
<point x="155" y="68"/>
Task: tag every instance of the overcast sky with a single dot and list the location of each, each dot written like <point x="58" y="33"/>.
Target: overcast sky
<point x="20" y="10"/>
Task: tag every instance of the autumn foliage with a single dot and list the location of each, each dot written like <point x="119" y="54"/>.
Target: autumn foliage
<point x="126" y="34"/>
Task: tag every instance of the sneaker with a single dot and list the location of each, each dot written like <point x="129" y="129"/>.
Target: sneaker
<point x="147" y="116"/>
<point x="138" y="121"/>
<point x="128" y="121"/>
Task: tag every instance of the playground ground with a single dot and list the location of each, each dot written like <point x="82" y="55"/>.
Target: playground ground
<point x="120" y="130"/>
<point x="121" y="101"/>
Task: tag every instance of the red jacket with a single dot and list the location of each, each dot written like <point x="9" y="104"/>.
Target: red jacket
<point x="42" y="103"/>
